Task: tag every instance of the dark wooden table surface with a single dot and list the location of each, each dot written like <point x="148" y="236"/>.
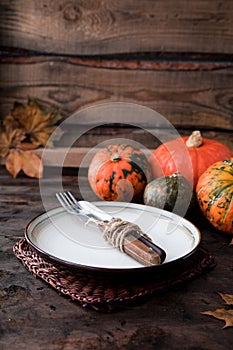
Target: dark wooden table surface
<point x="34" y="316"/>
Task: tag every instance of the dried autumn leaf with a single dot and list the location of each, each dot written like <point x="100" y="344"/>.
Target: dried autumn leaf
<point x="10" y="138"/>
<point x="228" y="298"/>
<point x="26" y="161"/>
<point x="26" y="128"/>
<point x="10" y="121"/>
<point x="32" y="164"/>
<point x="14" y="162"/>
<point x="222" y="314"/>
<point x="26" y="146"/>
<point x="36" y="123"/>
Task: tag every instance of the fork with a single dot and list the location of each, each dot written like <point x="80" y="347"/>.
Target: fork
<point x="148" y="248"/>
<point x="72" y="206"/>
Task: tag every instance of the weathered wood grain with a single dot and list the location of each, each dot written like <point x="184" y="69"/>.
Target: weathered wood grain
<point x="107" y="27"/>
<point x="186" y="98"/>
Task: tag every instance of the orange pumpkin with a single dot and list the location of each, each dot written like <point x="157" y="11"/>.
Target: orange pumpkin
<point x="188" y="155"/>
<point x="119" y="172"/>
<point x="215" y="195"/>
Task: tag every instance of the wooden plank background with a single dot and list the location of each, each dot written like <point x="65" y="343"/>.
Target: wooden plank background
<point x="185" y="97"/>
<point x="177" y="60"/>
<point x="97" y="27"/>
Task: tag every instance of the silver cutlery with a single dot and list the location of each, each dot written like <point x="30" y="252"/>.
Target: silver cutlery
<point x="72" y="206"/>
<point x="134" y="243"/>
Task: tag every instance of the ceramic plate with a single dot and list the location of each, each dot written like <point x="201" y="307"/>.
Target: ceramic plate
<point x="68" y="239"/>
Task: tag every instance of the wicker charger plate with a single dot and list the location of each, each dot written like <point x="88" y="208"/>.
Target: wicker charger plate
<point x="90" y="290"/>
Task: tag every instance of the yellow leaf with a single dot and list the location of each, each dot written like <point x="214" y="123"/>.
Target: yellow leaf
<point x="222" y="314"/>
<point x="37" y="123"/>
<point x="41" y="137"/>
<point x="26" y="146"/>
<point x="32" y="164"/>
<point x="10" y="121"/>
<point x="10" y="138"/>
<point x="14" y="162"/>
<point x="228" y="298"/>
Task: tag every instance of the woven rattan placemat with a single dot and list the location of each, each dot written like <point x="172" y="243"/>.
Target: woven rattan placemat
<point x="106" y="294"/>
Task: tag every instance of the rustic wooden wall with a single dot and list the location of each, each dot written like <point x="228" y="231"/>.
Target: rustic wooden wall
<point x="173" y="56"/>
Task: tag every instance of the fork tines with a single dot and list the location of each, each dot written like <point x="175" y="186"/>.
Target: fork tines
<point x="68" y="201"/>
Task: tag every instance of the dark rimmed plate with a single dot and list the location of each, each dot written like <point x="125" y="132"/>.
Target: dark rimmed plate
<point x="66" y="239"/>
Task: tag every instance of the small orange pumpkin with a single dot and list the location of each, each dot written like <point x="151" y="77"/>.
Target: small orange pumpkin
<point x="119" y="172"/>
<point x="189" y="155"/>
<point x="215" y="195"/>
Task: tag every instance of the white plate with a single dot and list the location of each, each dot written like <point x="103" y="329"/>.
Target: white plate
<point x="66" y="239"/>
